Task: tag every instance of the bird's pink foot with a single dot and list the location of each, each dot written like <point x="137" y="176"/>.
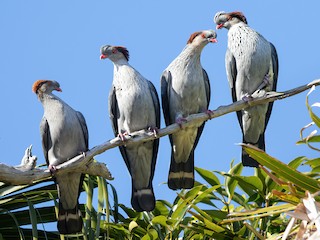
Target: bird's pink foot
<point x="209" y="112"/>
<point x="52" y="169"/>
<point x="154" y="130"/>
<point x="265" y="82"/>
<point x="122" y="136"/>
<point x="180" y="121"/>
<point x="247" y="98"/>
<point x="266" y="79"/>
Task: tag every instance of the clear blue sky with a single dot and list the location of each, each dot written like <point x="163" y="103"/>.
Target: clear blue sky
<point x="61" y="40"/>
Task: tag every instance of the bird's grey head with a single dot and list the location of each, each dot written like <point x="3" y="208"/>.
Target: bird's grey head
<point x="45" y="86"/>
<point x="203" y="37"/>
<point x="227" y="20"/>
<point x="114" y="52"/>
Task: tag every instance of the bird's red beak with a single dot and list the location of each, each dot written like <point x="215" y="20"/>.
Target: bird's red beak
<point x="58" y="89"/>
<point x="219" y="26"/>
<point x="103" y="56"/>
<point x="213" y="40"/>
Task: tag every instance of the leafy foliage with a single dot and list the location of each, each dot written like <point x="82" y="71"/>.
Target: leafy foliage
<point x="210" y="210"/>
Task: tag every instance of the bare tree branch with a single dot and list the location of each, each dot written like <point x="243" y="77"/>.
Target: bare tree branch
<point x="84" y="163"/>
<point x="25" y="173"/>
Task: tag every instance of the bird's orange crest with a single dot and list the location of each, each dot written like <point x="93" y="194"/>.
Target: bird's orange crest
<point x="37" y="84"/>
<point x="193" y="36"/>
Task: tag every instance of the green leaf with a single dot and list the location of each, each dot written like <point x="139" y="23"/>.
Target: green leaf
<point x="90" y="220"/>
<point x="204" y="195"/>
<point x="314" y="139"/>
<point x="6" y="190"/>
<point x="162" y="208"/>
<point x="313" y="116"/>
<point x="313" y="163"/>
<point x="259" y="212"/>
<point x="33" y="220"/>
<point x="242" y="231"/>
<point x="287" y="197"/>
<point x="115" y="203"/>
<point x="3" y="212"/>
<point x="132" y="225"/>
<point x="316" y="170"/>
<point x="184" y="204"/>
<point x="251" y="182"/>
<point x="162" y="220"/>
<point x="151" y="235"/>
<point x="295" y="163"/>
<point x="193" y="192"/>
<point x="231" y="183"/>
<point x="38" y="195"/>
<point x="263" y="178"/>
<point x="216" y="215"/>
<point x="129" y="211"/>
<point x="251" y="185"/>
<point x="208" y="223"/>
<point x="283" y="170"/>
<point x="101" y="194"/>
<point x="209" y="176"/>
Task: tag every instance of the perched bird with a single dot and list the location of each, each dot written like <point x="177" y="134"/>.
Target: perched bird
<point x="134" y="105"/>
<point x="64" y="135"/>
<point x="185" y="90"/>
<point x="251" y="64"/>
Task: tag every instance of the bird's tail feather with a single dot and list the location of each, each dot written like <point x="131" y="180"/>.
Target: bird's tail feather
<point x="248" y="161"/>
<point x="181" y="175"/>
<point x="70" y="220"/>
<point x="143" y="199"/>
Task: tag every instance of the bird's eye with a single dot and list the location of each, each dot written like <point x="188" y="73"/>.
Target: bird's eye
<point x="114" y="50"/>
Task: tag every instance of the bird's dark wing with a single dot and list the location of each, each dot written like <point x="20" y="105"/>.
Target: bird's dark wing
<point x="275" y="68"/>
<point x="207" y="85"/>
<point x="208" y="94"/>
<point x="156" y="104"/>
<point x="114" y="115"/>
<point x="84" y="128"/>
<point x="113" y="110"/>
<point x="45" y="136"/>
<point x="231" y="68"/>
<point x="166" y="79"/>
